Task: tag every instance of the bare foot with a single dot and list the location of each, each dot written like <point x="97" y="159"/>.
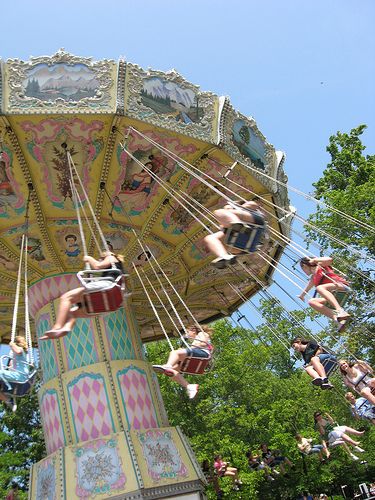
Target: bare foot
<point x="55" y="334"/>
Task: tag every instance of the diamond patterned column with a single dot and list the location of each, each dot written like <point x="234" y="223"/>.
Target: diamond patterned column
<point x="97" y="390"/>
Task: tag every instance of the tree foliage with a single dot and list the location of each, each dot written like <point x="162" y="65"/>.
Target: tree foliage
<point x="347" y="185"/>
<point x="21" y="444"/>
<point x="254" y="394"/>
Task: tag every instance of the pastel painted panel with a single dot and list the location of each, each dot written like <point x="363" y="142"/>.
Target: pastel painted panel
<point x="118" y="335"/>
<point x="164" y="461"/>
<point x="80" y="345"/>
<point x="52" y="420"/>
<point x="47" y="482"/>
<point x="136" y="398"/>
<point x="90" y="405"/>
<point x="99" y="468"/>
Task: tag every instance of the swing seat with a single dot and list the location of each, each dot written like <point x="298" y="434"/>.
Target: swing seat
<point x="248" y="239"/>
<point x="330" y="365"/>
<point x="21" y="388"/>
<point x="195" y="366"/>
<point x="342" y="297"/>
<point x="98" y="301"/>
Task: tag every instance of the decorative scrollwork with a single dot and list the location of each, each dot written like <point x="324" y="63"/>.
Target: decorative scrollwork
<point x="191" y="112"/>
<point x="229" y="117"/>
<point x="23" y="99"/>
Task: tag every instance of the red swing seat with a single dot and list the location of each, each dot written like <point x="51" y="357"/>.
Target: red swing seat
<point x="195" y="365"/>
<point x="102" y="301"/>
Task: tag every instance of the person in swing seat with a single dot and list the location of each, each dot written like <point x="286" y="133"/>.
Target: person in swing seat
<point x="361" y="408"/>
<point x="223" y="469"/>
<point x="314" y="355"/>
<point x="359" y="376"/>
<point x="236" y="216"/>
<point x="326" y="281"/>
<point x="17" y="372"/>
<point x="306" y="447"/>
<point x="337" y="435"/>
<point x="273" y="458"/>
<point x="201" y="347"/>
<point x="70" y="306"/>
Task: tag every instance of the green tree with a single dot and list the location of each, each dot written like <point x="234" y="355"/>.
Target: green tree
<point x="21" y="444"/>
<point x="348" y="185"/>
<point x="254" y="394"/>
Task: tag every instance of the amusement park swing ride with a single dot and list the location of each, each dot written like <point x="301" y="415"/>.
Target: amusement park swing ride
<point x="146" y="158"/>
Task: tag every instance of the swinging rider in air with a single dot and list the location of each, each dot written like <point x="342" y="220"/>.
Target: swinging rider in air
<point x="326" y="282"/>
<point x="70" y="307"/>
<point x="201" y="347"/>
<point x="235" y="216"/>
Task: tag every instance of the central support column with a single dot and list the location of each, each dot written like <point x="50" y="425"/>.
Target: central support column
<point x="105" y="426"/>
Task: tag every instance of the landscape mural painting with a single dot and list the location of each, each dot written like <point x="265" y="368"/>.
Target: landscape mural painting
<point x="70" y="82"/>
<point x="169" y="98"/>
<point x="249" y="144"/>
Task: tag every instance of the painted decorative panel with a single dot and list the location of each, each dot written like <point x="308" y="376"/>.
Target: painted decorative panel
<point x="62" y="82"/>
<point x="99" y="468"/>
<point x="136" y="398"/>
<point x="80" y="346"/>
<point x="46" y="481"/>
<point x="169" y="101"/>
<point x="48" y="289"/>
<point x="52" y="420"/>
<point x="118" y="335"/>
<point x="243" y="140"/>
<point x="162" y="456"/>
<point x="90" y="405"/>
<point x="135" y="183"/>
<point x="12" y="201"/>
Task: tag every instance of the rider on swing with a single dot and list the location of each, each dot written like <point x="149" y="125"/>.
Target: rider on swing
<point x="234" y="216"/>
<point x="326" y="281"/>
<point x="70" y="307"/>
<point x="201" y="347"/>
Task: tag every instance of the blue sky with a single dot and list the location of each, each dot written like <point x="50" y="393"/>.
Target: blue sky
<point x="302" y="69"/>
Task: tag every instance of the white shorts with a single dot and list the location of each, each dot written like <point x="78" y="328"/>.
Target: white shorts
<point x="99" y="285"/>
<point x="336" y="433"/>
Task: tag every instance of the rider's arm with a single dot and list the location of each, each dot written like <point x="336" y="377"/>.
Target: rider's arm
<point x="100" y="264"/>
<point x="15" y="348"/>
<point x="307" y="288"/>
<point x="323" y="261"/>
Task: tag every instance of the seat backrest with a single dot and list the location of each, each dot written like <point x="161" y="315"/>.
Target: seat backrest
<point x="102" y="301"/>
<point x="247" y="239"/>
<point x="89" y="275"/>
<point x="330" y="366"/>
<point x="195" y="365"/>
<point x="19" y="389"/>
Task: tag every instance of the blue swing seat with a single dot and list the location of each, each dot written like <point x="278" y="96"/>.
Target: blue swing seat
<point x="248" y="239"/>
<point x="18" y="389"/>
<point x="330" y="365"/>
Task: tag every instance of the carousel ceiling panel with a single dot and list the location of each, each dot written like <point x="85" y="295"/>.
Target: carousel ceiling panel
<point x="126" y="136"/>
<point x="42" y="142"/>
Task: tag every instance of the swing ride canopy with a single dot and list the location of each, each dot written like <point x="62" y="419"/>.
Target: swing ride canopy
<point x="113" y="118"/>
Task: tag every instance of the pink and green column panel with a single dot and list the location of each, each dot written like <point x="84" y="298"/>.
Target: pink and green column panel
<point x="100" y="404"/>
